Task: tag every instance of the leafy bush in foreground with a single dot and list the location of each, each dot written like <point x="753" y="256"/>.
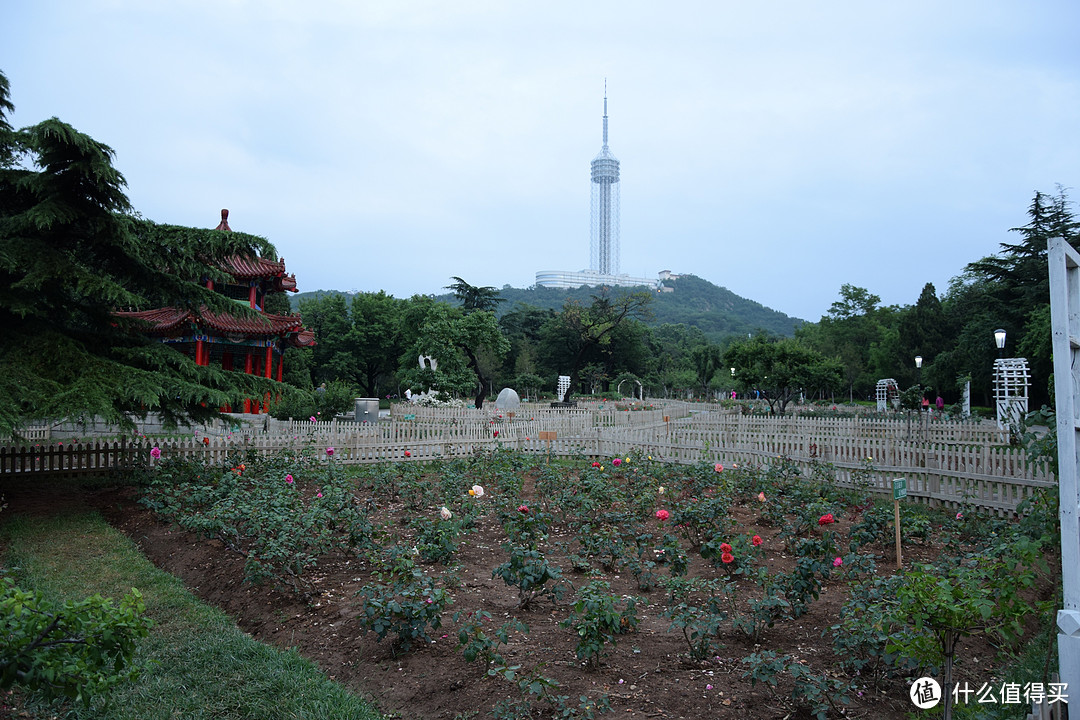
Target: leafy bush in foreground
<point x="75" y="650"/>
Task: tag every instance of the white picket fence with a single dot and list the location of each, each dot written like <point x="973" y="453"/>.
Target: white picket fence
<point x="945" y="463"/>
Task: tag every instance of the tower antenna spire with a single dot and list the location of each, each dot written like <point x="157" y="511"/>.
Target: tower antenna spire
<point x="605" y="112"/>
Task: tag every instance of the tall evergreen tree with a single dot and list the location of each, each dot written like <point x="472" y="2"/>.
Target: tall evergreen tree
<point x="71" y="253"/>
<point x="474" y="298"/>
<point x="1016" y="283"/>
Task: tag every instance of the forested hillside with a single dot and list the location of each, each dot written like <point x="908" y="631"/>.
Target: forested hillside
<point x="717" y="312"/>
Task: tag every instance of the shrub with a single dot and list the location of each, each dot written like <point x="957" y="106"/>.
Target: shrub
<point x="76" y="650"/>
<point x="763" y="612"/>
<point x="873" y="527"/>
<point x="478" y="644"/>
<point x="260" y="511"/>
<point x="813" y="693"/>
<point x="860" y="638"/>
<point x="529" y="571"/>
<point x="699" y="624"/>
<point x="407" y="605"/>
<point x="597" y="619"/>
<point x="436" y="540"/>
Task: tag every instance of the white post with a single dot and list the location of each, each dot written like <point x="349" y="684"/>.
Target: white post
<point x="1065" y="324"/>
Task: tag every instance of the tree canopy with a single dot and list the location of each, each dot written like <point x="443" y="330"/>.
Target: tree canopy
<point x="777" y="370"/>
<point x="579" y="330"/>
<point x="473" y="298"/>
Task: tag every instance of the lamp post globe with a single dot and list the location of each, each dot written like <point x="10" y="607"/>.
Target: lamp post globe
<point x="999" y="340"/>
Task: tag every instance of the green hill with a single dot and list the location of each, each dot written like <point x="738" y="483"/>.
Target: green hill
<point x="716" y="311"/>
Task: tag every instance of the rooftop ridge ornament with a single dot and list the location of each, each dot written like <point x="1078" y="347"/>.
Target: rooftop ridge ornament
<point x="224" y="224"/>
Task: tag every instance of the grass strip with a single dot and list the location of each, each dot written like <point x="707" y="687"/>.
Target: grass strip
<point x="199" y="664"/>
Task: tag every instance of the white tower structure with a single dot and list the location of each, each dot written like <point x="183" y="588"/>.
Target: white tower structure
<point x="604" y="217"/>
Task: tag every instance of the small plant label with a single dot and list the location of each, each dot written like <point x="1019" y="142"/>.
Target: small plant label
<point x="899" y="488"/>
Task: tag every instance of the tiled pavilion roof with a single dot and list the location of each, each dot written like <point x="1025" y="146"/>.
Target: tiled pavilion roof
<point x="165" y="321"/>
<point x="252" y="268"/>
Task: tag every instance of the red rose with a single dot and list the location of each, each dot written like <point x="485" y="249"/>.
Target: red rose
<point x="524" y="509"/>
<point x="661" y="515"/>
<point x="826" y="519"/>
<point x="727" y="557"/>
<point x="725" y="548"/>
<point x="756" y="540"/>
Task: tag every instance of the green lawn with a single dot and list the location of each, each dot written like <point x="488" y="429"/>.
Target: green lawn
<point x="199" y="664"/>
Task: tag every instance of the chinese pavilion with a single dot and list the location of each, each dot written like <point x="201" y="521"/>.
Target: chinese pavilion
<point x="254" y="345"/>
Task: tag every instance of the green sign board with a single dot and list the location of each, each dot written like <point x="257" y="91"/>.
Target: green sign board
<point x="899" y="488"/>
<point x="410" y="416"/>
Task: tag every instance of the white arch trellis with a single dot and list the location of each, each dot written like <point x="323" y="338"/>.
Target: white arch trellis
<point x="1011" y="381"/>
<point x="641" y="388"/>
<point x="887" y="390"/>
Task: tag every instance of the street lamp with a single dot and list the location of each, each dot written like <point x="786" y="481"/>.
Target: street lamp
<point x="999" y="340"/>
<point x="918" y="365"/>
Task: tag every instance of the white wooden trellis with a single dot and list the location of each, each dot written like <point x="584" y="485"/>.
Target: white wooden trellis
<point x="1065" y="324"/>
<point x="887" y="390"/>
<point x="1011" y="381"/>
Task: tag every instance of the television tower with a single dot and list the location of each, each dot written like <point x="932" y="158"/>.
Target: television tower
<point x="604" y="216"/>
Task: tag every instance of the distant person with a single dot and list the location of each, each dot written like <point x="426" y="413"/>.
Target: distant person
<point x="940" y="404"/>
<point x="926" y="404"/>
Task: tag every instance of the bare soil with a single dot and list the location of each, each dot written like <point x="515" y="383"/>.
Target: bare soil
<point x="648" y="675"/>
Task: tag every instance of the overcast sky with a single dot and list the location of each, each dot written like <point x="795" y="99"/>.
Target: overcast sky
<point x="779" y="149"/>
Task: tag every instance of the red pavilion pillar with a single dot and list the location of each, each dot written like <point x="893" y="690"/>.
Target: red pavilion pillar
<point x="269" y="373"/>
<point x="280" y="365"/>
<point x="248" y="361"/>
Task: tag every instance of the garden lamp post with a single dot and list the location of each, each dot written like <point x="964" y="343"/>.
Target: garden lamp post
<point x="999" y="340"/>
<point x="918" y="366"/>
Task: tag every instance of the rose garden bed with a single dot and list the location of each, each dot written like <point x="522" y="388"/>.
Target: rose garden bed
<point x="505" y="586"/>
